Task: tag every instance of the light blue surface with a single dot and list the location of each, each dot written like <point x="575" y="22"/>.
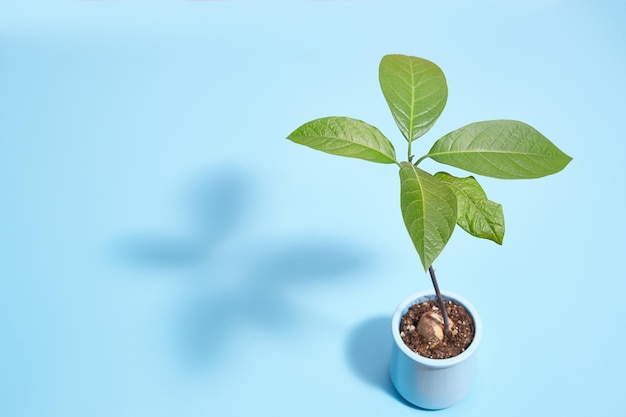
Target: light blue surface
<point x="165" y="251"/>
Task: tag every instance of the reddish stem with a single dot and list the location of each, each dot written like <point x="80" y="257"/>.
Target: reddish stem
<point x="442" y="306"/>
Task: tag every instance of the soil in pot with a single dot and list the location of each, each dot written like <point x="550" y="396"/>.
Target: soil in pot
<point x="460" y="336"/>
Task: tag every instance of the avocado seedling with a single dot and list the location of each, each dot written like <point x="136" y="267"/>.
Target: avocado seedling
<point x="432" y="205"/>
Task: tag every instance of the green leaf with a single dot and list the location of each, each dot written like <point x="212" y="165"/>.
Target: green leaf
<point x="416" y="92"/>
<point x="476" y="214"/>
<point x="500" y="148"/>
<point x="346" y="137"/>
<point x="429" y="211"/>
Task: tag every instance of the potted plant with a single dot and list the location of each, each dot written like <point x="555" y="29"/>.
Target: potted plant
<point x="436" y="335"/>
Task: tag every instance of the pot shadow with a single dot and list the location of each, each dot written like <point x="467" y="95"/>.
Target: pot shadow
<point x="231" y="281"/>
<point x="367" y="352"/>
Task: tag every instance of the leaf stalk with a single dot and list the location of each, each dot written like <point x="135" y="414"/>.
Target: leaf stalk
<point x="420" y="160"/>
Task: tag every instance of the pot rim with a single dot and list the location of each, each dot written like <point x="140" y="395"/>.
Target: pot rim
<point x="418" y="297"/>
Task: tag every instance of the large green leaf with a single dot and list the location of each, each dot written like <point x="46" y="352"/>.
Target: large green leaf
<point x="416" y="92"/>
<point x="429" y="211"/>
<point x="500" y="148"/>
<point x="346" y="137"/>
<point x="476" y="214"/>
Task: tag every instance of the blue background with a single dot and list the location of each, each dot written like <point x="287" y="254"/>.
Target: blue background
<point x="165" y="251"/>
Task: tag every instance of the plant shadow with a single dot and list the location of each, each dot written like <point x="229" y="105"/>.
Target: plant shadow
<point x="233" y="280"/>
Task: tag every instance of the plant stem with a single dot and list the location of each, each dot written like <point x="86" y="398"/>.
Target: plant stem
<point x="409" y="153"/>
<point x="442" y="305"/>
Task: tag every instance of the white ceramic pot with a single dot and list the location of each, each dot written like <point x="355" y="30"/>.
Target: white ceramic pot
<point x="432" y="383"/>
